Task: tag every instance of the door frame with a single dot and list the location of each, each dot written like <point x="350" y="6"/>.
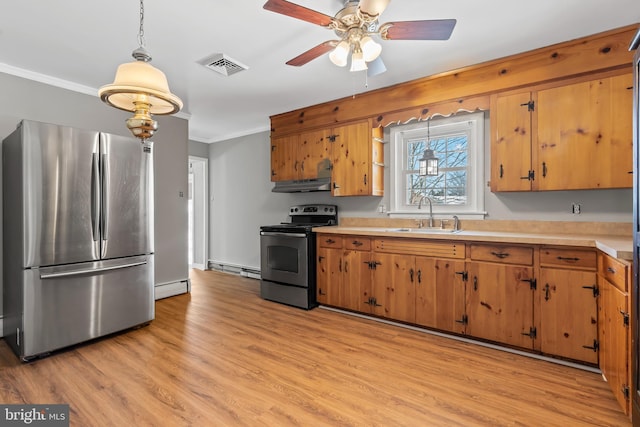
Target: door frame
<point x="200" y="194"/>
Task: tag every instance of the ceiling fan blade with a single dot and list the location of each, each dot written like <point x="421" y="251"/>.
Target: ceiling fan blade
<point x="313" y="53"/>
<point x="300" y="12"/>
<point x="376" y="67"/>
<point x="371" y="9"/>
<point x="437" y="29"/>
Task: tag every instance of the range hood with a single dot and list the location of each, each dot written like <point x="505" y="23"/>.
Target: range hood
<point x="302" y="186"/>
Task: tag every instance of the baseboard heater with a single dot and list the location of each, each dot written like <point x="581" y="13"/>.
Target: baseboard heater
<point x="235" y="269"/>
<point x="169" y="289"/>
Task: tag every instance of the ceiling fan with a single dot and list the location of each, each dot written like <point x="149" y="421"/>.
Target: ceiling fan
<point x="355" y="24"/>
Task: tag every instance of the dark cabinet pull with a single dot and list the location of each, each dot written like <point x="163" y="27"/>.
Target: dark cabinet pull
<point x="475" y="283"/>
<point x="500" y="255"/>
<point x="340" y="265"/>
<point x="330" y="241"/>
<point x="356" y="243"/>
<point x="365" y="179"/>
<point x="611" y="270"/>
<point x="544" y="170"/>
<point x="568" y="259"/>
<point x="295" y="166"/>
<point x="411" y="274"/>
<point x="346" y="266"/>
<point x="501" y="170"/>
<point x="546" y="292"/>
<point x="419" y="276"/>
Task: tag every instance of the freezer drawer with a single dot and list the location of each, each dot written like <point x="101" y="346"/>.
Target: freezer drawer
<point x="66" y="305"/>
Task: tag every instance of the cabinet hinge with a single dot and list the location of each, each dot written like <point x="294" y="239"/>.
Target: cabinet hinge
<point x="594" y="289"/>
<point x="531" y="105"/>
<point x="533" y="333"/>
<point x="464" y="274"/>
<point x="372" y="301"/>
<point x="625" y="391"/>
<point x="372" y="264"/>
<point x="531" y="175"/>
<point x="332" y="138"/>
<point x="594" y="347"/>
<point x="464" y="320"/>
<point x="533" y="283"/>
<point x="625" y="318"/>
<point x="273" y="148"/>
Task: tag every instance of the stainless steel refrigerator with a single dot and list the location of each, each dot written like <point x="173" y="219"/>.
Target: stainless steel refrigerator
<point x="77" y="236"/>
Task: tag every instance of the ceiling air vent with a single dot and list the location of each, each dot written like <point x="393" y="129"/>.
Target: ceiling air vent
<point x="221" y="63"/>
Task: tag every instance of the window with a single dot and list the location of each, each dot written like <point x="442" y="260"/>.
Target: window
<point x="458" y="143"/>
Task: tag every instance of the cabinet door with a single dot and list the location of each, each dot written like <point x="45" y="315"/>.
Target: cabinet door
<point x="584" y="135"/>
<point x="284" y="166"/>
<point x="568" y="314"/>
<point x="614" y="339"/>
<point x="500" y="303"/>
<point x="511" y="143"/>
<point x="351" y="153"/>
<point x="329" y="276"/>
<point x="356" y="277"/>
<point x="392" y="281"/>
<point x="440" y="294"/>
<point x="314" y="154"/>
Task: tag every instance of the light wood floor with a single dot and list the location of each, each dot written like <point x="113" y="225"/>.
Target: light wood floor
<point x="221" y="356"/>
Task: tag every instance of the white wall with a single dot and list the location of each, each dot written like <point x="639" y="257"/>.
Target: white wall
<point x="26" y="99"/>
<point x="241" y="200"/>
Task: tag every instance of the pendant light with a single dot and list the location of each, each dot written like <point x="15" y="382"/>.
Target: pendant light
<point x="142" y="89"/>
<point x="428" y="164"/>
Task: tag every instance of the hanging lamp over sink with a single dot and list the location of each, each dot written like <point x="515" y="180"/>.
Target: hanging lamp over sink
<point x="141" y="88"/>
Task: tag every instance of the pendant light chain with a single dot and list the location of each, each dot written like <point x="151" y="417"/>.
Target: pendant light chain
<point x="141" y="40"/>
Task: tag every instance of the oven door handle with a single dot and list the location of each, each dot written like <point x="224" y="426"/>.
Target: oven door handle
<point x="275" y="233"/>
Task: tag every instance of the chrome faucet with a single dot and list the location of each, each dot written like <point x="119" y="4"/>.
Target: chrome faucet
<point x="430" y="208"/>
<point x="456" y="223"/>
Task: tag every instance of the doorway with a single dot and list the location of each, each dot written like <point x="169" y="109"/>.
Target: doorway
<point x="198" y="239"/>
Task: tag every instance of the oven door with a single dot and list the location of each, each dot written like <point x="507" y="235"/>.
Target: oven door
<point x="284" y="257"/>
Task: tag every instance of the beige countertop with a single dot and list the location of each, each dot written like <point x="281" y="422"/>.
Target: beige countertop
<point x="617" y="246"/>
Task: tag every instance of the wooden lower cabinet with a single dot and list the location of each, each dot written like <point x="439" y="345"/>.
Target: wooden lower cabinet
<point x="343" y="273"/>
<point x="440" y="294"/>
<point x="614" y="278"/>
<point x="500" y="303"/>
<point x="569" y="314"/>
<point x="394" y="279"/>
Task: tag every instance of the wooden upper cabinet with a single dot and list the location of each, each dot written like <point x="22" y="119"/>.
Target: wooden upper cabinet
<point x="284" y="164"/>
<point x="570" y="137"/>
<point x="314" y="154"/>
<point x="511" y="142"/>
<point x="352" y="160"/>
<point x="584" y="135"/>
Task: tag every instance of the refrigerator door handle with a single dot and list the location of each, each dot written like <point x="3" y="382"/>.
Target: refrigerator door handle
<point x="79" y="272"/>
<point x="95" y="197"/>
<point x="104" y="223"/>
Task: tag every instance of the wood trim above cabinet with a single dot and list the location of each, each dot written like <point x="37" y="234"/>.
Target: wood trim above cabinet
<point x="593" y="54"/>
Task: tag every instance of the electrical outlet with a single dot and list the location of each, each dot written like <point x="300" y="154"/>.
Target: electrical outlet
<point x="382" y="208"/>
<point x="575" y="208"/>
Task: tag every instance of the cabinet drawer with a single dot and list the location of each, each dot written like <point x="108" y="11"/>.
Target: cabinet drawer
<point x="357" y="243"/>
<point x="615" y="272"/>
<point x="569" y="258"/>
<point x="503" y="254"/>
<point x="329" y="241"/>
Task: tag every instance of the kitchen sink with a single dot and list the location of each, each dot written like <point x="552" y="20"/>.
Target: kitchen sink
<point x="425" y="230"/>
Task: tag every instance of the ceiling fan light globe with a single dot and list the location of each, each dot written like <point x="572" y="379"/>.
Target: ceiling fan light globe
<point x="370" y="49"/>
<point x="340" y="54"/>
<point x="357" y="62"/>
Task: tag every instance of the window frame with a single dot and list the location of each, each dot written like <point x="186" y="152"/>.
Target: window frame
<point x="471" y="123"/>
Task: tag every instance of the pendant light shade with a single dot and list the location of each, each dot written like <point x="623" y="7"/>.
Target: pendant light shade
<point x="428" y="164"/>
<point x="141" y="88"/>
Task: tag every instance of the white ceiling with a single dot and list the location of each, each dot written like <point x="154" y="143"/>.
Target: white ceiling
<point x="79" y="43"/>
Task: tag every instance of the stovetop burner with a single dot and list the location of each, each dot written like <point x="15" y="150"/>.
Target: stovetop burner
<point x="305" y="217"/>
